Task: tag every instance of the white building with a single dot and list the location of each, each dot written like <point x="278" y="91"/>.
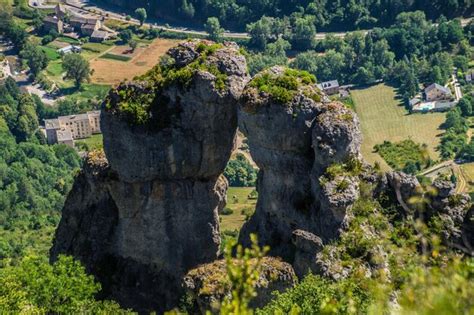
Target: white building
<point x="79" y="126"/>
<point x="69" y="49"/>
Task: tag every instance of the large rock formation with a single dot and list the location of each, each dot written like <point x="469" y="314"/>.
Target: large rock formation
<point x="207" y="285"/>
<point x="141" y="220"/>
<point x="294" y="135"/>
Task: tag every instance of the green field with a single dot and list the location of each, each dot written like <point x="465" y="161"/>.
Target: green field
<point x="383" y="117"/>
<point x="237" y="201"/>
<point x="51" y="53"/>
<point x="89" y="144"/>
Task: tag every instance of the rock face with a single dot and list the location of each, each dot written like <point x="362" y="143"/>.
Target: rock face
<point x="142" y="219"/>
<point x="207" y="285"/>
<point x="293" y="141"/>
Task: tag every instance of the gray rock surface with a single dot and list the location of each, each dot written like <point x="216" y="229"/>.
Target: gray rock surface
<point x="293" y="143"/>
<point x="142" y="220"/>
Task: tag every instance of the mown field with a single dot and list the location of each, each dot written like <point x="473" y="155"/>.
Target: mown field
<point x="383" y="117"/>
<point x="238" y="201"/>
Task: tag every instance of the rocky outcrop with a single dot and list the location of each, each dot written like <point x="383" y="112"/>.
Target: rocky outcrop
<point x="141" y="220"/>
<point x="294" y="137"/>
<point x="208" y="285"/>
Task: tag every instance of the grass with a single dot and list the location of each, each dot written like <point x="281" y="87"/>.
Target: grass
<point x="87" y="91"/>
<point x="468" y="169"/>
<point x="237" y="200"/>
<point x="68" y="40"/>
<point x="383" y="117"/>
<point x="93" y="143"/>
<point x="51" y="53"/>
<point x="96" y="47"/>
<point x="115" y="57"/>
<point x="55" y="68"/>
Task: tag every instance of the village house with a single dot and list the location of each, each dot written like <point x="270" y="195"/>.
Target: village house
<point x="78" y="126"/>
<point x="89" y="29"/>
<point x="329" y="87"/>
<point x="99" y="36"/>
<point x="436" y="92"/>
<point x="53" y="23"/>
<point x="69" y="49"/>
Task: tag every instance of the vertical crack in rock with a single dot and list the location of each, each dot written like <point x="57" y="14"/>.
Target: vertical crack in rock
<point x="143" y="215"/>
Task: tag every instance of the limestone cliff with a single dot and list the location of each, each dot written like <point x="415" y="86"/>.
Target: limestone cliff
<point x="145" y="214"/>
<point x="294" y="135"/>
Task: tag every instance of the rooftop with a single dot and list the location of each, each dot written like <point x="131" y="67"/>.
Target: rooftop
<point x="51" y="123"/>
<point x="438" y="87"/>
<point x="100" y="34"/>
<point x="64" y="135"/>
<point x="50" y="19"/>
<point x="328" y="84"/>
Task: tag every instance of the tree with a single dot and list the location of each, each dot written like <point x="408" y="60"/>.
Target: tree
<point x="61" y="288"/>
<point x="141" y="15"/>
<point x="214" y="29"/>
<point x="465" y="106"/>
<point x="187" y="9"/>
<point x="125" y="36"/>
<point x="133" y="44"/>
<point x="35" y="58"/>
<point x="27" y="123"/>
<point x="304" y="34"/>
<point x="77" y="68"/>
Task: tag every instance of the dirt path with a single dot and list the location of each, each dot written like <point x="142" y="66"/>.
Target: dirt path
<point x="461" y="179"/>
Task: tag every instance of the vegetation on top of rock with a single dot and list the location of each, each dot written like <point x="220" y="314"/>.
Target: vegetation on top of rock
<point x="283" y="87"/>
<point x="137" y="102"/>
<point x="351" y="167"/>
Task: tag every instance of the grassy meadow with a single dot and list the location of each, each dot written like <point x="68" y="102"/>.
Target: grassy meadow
<point x="237" y="201"/>
<point x="383" y="117"/>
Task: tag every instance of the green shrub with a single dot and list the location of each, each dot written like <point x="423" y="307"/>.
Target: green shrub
<point x="115" y="57"/>
<point x="284" y="87"/>
<point x="227" y="211"/>
<point x="405" y="155"/>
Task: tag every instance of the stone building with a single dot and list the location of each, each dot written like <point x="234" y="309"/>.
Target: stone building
<point x="53" y="23"/>
<point x="436" y="92"/>
<point x="77" y="126"/>
<point x="329" y="87"/>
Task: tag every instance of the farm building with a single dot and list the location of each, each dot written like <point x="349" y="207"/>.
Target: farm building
<point x="69" y="49"/>
<point x="99" y="36"/>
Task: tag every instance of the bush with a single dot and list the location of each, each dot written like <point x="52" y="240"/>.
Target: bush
<point x="405" y="155"/>
<point x="38" y="287"/>
<point x="227" y="211"/>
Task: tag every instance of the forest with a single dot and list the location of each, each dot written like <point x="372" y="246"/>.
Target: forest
<point x="324" y="14"/>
